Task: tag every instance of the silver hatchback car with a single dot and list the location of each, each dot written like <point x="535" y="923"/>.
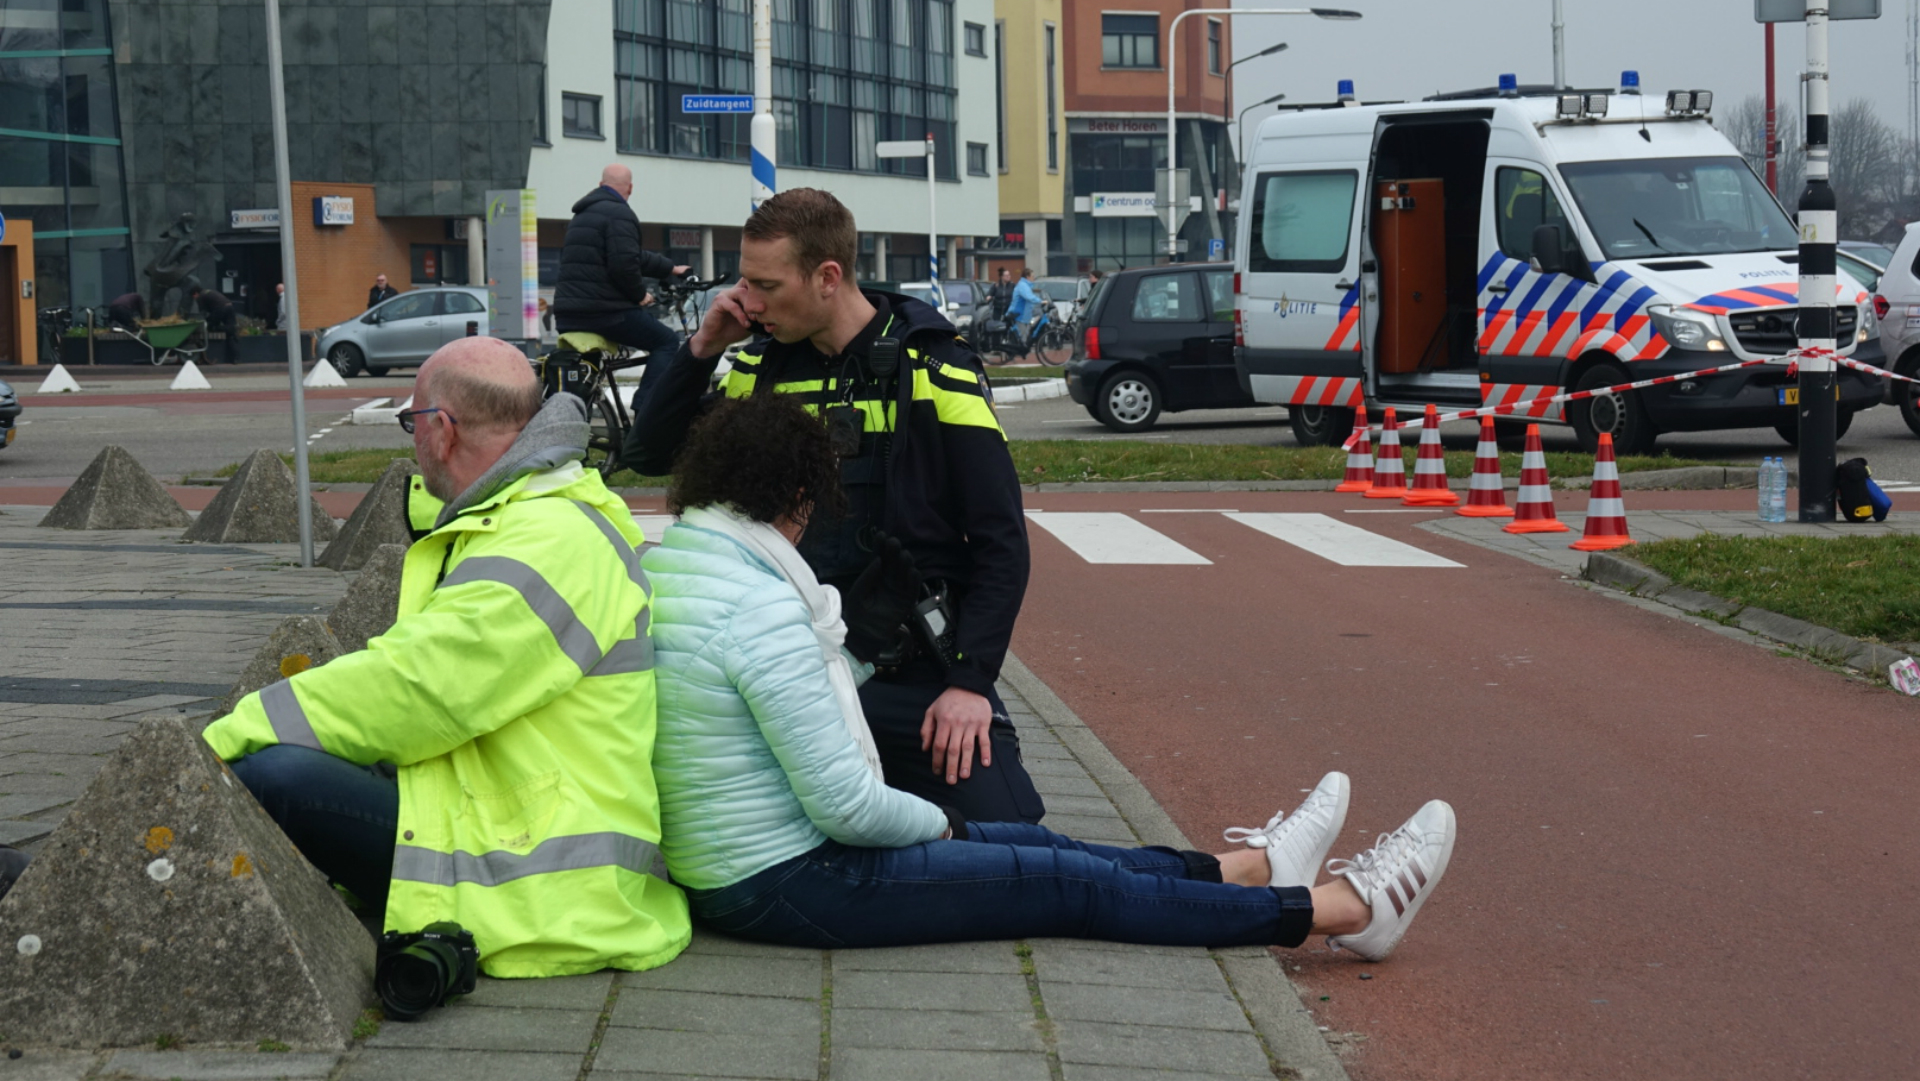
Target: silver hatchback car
<point x="403" y="331"/>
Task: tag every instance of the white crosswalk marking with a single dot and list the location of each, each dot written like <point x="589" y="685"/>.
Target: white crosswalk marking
<point x="1341" y="542"/>
<point x="1114" y="538"/>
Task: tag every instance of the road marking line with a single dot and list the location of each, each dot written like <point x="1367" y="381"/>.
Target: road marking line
<point x="1191" y="510"/>
<point x="1340" y="542"/>
<point x="1110" y="537"/>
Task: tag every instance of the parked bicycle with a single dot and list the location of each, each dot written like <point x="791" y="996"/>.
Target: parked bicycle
<point x="54" y="323"/>
<point x="1045" y="339"/>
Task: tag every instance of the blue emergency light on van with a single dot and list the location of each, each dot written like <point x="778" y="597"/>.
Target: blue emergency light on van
<point x="1629" y="82"/>
<point x="1346" y="90"/>
<point x="1509" y="84"/>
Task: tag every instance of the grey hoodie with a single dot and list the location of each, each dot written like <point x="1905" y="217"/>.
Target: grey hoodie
<point x="556" y="435"/>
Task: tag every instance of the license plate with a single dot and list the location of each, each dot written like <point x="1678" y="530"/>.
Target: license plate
<point x="1791" y="395"/>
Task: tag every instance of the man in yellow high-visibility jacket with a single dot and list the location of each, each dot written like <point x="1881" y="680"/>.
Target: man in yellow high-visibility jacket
<point x="487" y="760"/>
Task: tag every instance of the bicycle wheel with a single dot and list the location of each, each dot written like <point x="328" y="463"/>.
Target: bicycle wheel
<point x="606" y="435"/>
<point x="1054" y="347"/>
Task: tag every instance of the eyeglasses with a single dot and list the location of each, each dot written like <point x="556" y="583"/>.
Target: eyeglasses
<point x="406" y="417"/>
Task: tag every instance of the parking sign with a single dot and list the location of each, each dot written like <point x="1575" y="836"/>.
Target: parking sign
<point x="1216" y="250"/>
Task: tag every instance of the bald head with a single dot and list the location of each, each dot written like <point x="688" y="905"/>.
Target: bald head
<point x="486" y="384"/>
<point x="619" y="178"/>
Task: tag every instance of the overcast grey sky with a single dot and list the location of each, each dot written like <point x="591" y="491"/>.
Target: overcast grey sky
<point x="1405" y="49"/>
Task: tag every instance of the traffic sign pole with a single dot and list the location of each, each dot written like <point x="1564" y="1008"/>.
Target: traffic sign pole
<point x="761" y="132"/>
<point x="1819" y="229"/>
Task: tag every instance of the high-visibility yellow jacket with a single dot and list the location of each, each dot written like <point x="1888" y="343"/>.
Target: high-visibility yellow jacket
<point x="516" y="695"/>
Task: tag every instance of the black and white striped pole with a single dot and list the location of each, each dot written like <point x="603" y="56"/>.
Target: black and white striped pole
<point x="1819" y="229"/>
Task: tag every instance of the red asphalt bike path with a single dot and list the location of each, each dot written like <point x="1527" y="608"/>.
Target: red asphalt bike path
<point x="1680" y="856"/>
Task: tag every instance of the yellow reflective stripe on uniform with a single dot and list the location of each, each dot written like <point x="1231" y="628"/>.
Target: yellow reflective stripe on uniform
<point x="572" y="636"/>
<point x="288" y="718"/>
<point x="955" y="406"/>
<point x="579" y="852"/>
<point x="739" y="380"/>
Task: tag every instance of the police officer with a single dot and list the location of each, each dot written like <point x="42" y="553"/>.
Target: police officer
<point x="923" y="458"/>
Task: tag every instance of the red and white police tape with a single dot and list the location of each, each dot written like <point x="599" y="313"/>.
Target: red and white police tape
<point x="1580" y="395"/>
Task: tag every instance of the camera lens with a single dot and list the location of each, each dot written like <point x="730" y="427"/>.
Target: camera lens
<point x="415" y="980"/>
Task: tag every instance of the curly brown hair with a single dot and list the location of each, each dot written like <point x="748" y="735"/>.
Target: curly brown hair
<point x="765" y="456"/>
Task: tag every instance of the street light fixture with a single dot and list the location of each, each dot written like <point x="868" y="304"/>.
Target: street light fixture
<point x="1173" y="35"/>
<point x="1268" y="51"/>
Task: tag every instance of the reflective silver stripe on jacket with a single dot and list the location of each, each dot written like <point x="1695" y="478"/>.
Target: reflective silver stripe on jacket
<point x="289" y="720"/>
<point x="574" y="639"/>
<point x="628" y="556"/>
<point x="580" y="851"/>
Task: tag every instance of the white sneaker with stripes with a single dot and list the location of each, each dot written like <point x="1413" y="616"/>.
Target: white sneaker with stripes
<point x="1396" y="877"/>
<point x="1297" y="843"/>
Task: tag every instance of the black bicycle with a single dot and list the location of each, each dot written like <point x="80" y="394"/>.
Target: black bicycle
<point x="583" y="364"/>
<point x="53" y="325"/>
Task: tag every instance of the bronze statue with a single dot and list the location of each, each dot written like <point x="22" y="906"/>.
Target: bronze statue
<point x="174" y="266"/>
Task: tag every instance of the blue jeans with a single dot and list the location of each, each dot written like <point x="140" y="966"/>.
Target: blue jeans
<point x="634" y="328"/>
<point x="1009" y="880"/>
<point x="340" y="816"/>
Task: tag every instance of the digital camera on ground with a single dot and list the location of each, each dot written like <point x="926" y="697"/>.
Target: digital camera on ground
<point x="418" y="971"/>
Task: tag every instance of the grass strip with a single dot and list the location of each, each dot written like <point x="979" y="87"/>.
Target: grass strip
<point x="1042" y="461"/>
<point x="1866" y="587"/>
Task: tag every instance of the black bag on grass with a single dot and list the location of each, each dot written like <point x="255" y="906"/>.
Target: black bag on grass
<point x="1856" y="497"/>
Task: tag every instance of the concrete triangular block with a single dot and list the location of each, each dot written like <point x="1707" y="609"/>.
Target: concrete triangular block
<point x="168" y="903"/>
<point x="297" y="644"/>
<point x="114" y="492"/>
<point x="59" y="381"/>
<point x="258" y="505"/>
<point x="189" y="379"/>
<point x="323" y="374"/>
<point x="381" y="518"/>
<point x="372" y="602"/>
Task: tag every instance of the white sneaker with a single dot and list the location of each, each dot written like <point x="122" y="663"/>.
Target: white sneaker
<point x="1297" y="843"/>
<point x="1396" y="876"/>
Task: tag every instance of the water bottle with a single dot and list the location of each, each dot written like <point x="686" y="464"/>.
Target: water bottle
<point x="1773" y="490"/>
<point x="1764" y="482"/>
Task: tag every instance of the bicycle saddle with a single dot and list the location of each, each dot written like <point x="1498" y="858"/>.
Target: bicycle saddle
<point x="586" y="341"/>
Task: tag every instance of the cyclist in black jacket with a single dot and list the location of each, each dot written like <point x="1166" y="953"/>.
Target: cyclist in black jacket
<point x="602" y="285"/>
<point x="923" y="459"/>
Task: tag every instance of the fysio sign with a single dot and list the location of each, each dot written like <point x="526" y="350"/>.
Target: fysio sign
<point x="1121" y="204"/>
<point x="333" y="210"/>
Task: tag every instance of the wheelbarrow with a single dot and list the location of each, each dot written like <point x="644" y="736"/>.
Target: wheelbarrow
<point x="167" y="342"/>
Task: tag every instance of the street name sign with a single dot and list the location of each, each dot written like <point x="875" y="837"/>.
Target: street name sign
<point x="716" y="103"/>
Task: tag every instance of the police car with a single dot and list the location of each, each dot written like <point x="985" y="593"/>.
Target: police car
<point x="1494" y="246"/>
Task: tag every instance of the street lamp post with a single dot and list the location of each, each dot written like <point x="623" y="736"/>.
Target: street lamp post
<point x="1173" y="37"/>
<point x="283" y="189"/>
<point x="761" y="131"/>
<point x="1240" y="124"/>
<point x="1268" y="51"/>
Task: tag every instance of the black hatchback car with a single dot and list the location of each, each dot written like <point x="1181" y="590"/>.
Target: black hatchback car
<point x="1157" y="339"/>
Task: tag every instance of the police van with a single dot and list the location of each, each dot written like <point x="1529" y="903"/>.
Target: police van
<point x="1493" y="246"/>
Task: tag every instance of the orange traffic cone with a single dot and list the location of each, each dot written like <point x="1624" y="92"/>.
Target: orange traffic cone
<point x="1606" y="513"/>
<point x="1359" y="457"/>
<point x="1430" y="468"/>
<point x="1486" y="496"/>
<point x="1389" y="468"/>
<point x="1535" y="514"/>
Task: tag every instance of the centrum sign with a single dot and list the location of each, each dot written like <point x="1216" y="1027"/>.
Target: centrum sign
<point x="1122" y="204"/>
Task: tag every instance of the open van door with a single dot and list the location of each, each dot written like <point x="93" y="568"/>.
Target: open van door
<point x="1300" y="297"/>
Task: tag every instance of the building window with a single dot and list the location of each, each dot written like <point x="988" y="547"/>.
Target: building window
<point x="846" y="74"/>
<point x="1130" y="41"/>
<point x="1053" y="113"/>
<point x="438" y="264"/>
<point x="1000" y="94"/>
<point x="976" y="40"/>
<point x="976" y="159"/>
<point x="540" y="111"/>
<point x="580" y="116"/>
<point x="1213" y="46"/>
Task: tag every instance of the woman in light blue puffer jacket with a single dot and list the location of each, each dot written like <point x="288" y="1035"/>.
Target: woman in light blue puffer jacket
<point x="776" y="820"/>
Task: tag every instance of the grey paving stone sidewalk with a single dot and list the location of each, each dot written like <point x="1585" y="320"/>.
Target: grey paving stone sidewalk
<point x="1551" y="549"/>
<point x="85" y="651"/>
